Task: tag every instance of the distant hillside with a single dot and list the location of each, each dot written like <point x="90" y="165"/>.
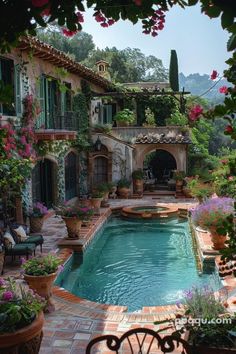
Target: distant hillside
<point x="198" y="84"/>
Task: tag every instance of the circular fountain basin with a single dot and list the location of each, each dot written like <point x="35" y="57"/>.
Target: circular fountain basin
<point x="148" y="212"/>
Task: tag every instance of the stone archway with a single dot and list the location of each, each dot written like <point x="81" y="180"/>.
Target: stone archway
<point x="161" y="164"/>
<point x="178" y="151"/>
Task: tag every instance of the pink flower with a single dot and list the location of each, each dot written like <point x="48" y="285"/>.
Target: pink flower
<point x="146" y="31"/>
<point x="2" y="282"/>
<point x="39" y="3"/>
<point x="195" y="112"/>
<point x="7" y="295"/>
<point x="223" y="89"/>
<point x="68" y="33"/>
<point x="23" y="140"/>
<point x="104" y="24"/>
<point x="154" y="34"/>
<point x="99" y="17"/>
<point x="80" y="17"/>
<point x="214" y="75"/>
<point x="230" y="178"/>
<point x="229" y="129"/>
<point x="60" y="268"/>
<point x="111" y="22"/>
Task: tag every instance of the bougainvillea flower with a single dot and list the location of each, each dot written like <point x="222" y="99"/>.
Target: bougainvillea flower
<point x="68" y="33"/>
<point x="229" y="129"/>
<point x="99" y="17"/>
<point x="223" y="89"/>
<point x="214" y="75"/>
<point x="195" y="112"/>
<point x="7" y="295"/>
<point x="111" y="22"/>
<point x="230" y="178"/>
<point x="39" y="3"/>
<point x="80" y="17"/>
<point x="104" y="24"/>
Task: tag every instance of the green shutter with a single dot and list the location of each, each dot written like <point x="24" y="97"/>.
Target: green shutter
<point x="109" y="114"/>
<point x="41" y="121"/>
<point x="18" y="95"/>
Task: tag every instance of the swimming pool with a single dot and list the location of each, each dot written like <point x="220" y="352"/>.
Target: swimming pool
<point x="136" y="264"/>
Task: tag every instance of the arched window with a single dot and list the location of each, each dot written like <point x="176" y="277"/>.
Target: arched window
<point x="70" y="176"/>
<point x="101" y="68"/>
<point x="100" y="172"/>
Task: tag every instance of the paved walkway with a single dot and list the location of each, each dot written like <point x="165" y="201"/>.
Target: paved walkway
<point x="76" y="321"/>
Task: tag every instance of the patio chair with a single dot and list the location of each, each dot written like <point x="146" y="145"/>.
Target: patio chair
<point x="33" y="238"/>
<point x="13" y="250"/>
<point x="140" y="341"/>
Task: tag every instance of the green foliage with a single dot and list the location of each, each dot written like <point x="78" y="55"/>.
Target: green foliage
<point x="225" y="176"/>
<point x="102" y="128"/>
<point x="41" y="265"/>
<point x="123" y="183"/>
<point x="177" y="118"/>
<point x="125" y="116"/>
<point x="78" y="47"/>
<point x="6" y="94"/>
<point x="138" y="174"/>
<point x="128" y="65"/>
<point x="173" y="71"/>
<point x="199" y="189"/>
<point x="179" y="175"/>
<point x="14" y="173"/>
<point x="150" y="118"/>
<point x="18" y="306"/>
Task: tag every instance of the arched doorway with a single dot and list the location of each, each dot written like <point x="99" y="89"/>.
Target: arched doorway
<point x="44" y="182"/>
<point x="161" y="164"/>
<point x="100" y="170"/>
<point x="70" y="176"/>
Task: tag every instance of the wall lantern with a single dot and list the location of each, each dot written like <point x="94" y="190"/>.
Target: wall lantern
<point x="97" y="108"/>
<point x="98" y="144"/>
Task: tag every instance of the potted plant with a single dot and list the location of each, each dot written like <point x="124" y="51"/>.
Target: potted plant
<point x="21" y="318"/>
<point x="123" y="188"/>
<point x="199" y="189"/>
<point x="86" y="215"/>
<point x="40" y="273"/>
<point x="212" y="215"/>
<point x="138" y="176"/>
<point x="97" y="197"/>
<point x="72" y="218"/>
<point x="36" y="215"/>
<point x="179" y="176"/>
<point x="104" y="188"/>
<point x="124" y="118"/>
<point x="203" y="320"/>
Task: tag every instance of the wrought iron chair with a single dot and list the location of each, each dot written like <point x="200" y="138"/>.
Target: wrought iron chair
<point x="139" y="341"/>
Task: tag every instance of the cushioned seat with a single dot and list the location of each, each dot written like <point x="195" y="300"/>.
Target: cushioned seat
<point x="37" y="240"/>
<point x="21" y="249"/>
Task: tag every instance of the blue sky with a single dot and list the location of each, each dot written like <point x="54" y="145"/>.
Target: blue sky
<point x="200" y="42"/>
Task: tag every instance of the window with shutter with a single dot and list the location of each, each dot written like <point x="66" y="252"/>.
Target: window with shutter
<point x="18" y="91"/>
<point x="7" y="83"/>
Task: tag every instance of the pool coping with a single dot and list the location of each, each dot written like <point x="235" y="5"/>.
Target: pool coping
<point x="99" y="310"/>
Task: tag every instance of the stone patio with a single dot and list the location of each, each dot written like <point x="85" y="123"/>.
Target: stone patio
<point x="76" y="321"/>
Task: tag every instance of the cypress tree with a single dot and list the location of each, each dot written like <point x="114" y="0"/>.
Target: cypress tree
<point x="173" y="71"/>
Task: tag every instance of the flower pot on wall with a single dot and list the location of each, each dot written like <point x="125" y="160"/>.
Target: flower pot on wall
<point x="36" y="223"/>
<point x="42" y="285"/>
<point x="26" y="340"/>
<point x="73" y="225"/>
<point x="123" y="192"/>
<point x="217" y="240"/>
<point x="138" y="186"/>
<point x="96" y="202"/>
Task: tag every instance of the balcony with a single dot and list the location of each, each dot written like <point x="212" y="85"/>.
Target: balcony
<point x="58" y="127"/>
<point x="156" y="135"/>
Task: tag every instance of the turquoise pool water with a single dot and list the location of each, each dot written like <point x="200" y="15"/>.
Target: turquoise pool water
<point x="136" y="263"/>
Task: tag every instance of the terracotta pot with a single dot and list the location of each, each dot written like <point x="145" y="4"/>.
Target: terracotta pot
<point x="36" y="223"/>
<point x="73" y="226"/>
<point x="187" y="192"/>
<point x="26" y="340"/>
<point x="179" y="183"/>
<point x="123" y="192"/>
<point x="218" y="240"/>
<point x="42" y="285"/>
<point x="122" y="123"/>
<point x="138" y="186"/>
<point x="96" y="202"/>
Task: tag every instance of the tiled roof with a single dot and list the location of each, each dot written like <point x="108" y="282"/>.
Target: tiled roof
<point x="154" y="138"/>
<point x="60" y="59"/>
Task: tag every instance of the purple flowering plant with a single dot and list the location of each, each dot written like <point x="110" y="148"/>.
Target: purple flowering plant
<point x="214" y="212"/>
<point x="19" y="306"/>
<point x="80" y="212"/>
<point x="38" y="210"/>
<point x="42" y="265"/>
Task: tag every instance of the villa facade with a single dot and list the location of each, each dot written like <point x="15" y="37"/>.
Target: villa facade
<point x="71" y="99"/>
